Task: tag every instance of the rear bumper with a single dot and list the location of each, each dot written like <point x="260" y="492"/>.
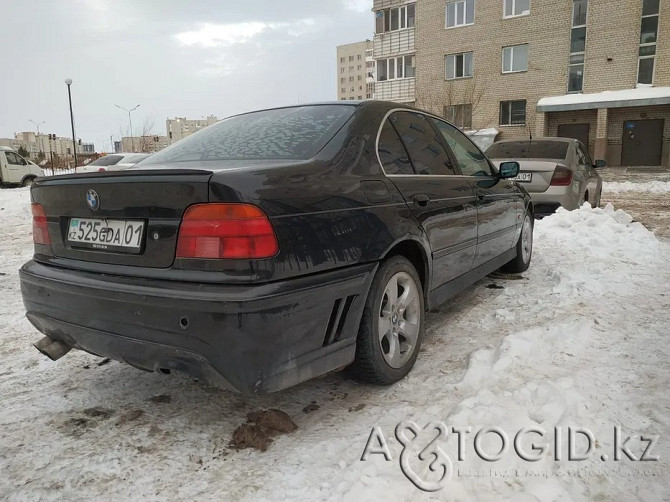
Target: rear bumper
<point x="546" y="203"/>
<point x="259" y="338"/>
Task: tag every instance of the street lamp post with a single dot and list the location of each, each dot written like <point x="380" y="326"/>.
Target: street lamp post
<point x="68" y="82"/>
<point x="37" y="125"/>
<point x="132" y="140"/>
<point x="37" y="139"/>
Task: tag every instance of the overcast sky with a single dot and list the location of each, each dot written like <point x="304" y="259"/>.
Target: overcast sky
<point x="172" y="57"/>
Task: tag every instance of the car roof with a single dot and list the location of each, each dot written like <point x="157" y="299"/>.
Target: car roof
<point x="368" y="103"/>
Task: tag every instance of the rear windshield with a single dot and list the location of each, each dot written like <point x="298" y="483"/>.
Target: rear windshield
<point x="528" y="150"/>
<point x="107" y="160"/>
<point x="286" y="133"/>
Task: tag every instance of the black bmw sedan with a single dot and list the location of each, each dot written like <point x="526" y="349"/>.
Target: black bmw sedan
<point x="274" y="246"/>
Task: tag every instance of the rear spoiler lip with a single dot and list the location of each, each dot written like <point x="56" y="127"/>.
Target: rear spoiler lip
<point x="109" y="176"/>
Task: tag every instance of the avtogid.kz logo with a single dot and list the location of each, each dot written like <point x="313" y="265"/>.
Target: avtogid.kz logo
<point x="426" y="464"/>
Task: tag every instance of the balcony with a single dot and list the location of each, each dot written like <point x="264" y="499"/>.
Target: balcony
<point x="401" y="91"/>
<point x="394" y="43"/>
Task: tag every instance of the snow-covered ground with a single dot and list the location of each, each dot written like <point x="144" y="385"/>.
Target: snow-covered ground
<point x="656" y="187"/>
<point x="581" y="341"/>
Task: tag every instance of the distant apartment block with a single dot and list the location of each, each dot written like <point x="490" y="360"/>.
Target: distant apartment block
<point x="45" y="144"/>
<point x="180" y="127"/>
<point x="394" y="50"/>
<point x="355" y="71"/>
<point x="143" y="144"/>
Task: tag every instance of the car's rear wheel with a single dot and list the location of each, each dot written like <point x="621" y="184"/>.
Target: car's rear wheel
<point x="524" y="248"/>
<point x="392" y="325"/>
<point x="27" y="182"/>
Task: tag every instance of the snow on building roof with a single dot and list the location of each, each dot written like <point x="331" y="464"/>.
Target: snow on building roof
<point x="641" y="96"/>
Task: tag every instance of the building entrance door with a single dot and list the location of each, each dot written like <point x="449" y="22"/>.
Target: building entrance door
<point x="642" y="143"/>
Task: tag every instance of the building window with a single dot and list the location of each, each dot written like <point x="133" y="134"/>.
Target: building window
<point x="459" y="115"/>
<point x="515" y="58"/>
<point x="342" y="70"/>
<point x="395" y="68"/>
<point x="460" y="13"/>
<point x="513" y="113"/>
<point x="358" y="57"/>
<point x="342" y="80"/>
<point x="648" y="37"/>
<point x="459" y="65"/>
<point x="577" y="46"/>
<point x="351" y="68"/>
<point x="513" y="8"/>
<point x="359" y="67"/>
<point x="351" y="58"/>
<point x="341" y="60"/>
<point x="397" y="18"/>
<point x="360" y="98"/>
<point x="343" y="89"/>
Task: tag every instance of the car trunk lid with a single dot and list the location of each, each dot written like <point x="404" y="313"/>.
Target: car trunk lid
<point x="540" y="170"/>
<point x="148" y="202"/>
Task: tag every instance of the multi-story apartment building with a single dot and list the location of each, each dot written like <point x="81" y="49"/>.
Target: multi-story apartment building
<point x="180" y="127"/>
<point x="45" y="144"/>
<point x="394" y="50"/>
<point x="596" y="70"/>
<point x="144" y="144"/>
<point x="353" y="66"/>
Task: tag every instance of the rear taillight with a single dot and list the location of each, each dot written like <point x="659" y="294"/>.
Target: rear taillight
<point x="562" y="177"/>
<point x="237" y="231"/>
<point x="40" y="230"/>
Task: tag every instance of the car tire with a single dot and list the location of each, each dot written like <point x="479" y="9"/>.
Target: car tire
<point x="524" y="248"/>
<point x="392" y="325"/>
<point x="27" y="182"/>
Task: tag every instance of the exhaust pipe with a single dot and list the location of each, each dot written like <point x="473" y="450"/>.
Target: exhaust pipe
<point x="51" y="348"/>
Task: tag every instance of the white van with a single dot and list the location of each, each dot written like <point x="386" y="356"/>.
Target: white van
<point x="15" y="170"/>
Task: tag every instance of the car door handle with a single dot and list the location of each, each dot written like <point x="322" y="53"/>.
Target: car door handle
<point x="421" y="200"/>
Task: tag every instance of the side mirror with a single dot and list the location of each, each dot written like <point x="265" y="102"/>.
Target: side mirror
<point x="600" y="163"/>
<point x="509" y="170"/>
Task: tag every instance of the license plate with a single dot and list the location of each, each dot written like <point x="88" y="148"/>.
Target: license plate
<point x="113" y="235"/>
<point x="523" y="177"/>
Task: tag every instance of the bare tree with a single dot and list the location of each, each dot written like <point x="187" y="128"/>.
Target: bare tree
<point x="439" y="94"/>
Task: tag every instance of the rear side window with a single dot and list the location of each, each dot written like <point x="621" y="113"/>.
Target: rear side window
<point x="285" y="133"/>
<point x="392" y="153"/>
<point x="424" y="147"/>
<point x="530" y="149"/>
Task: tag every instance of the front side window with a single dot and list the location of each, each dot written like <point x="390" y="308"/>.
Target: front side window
<point x="425" y="149"/>
<point x="515" y="58"/>
<point x="513" y="112"/>
<point x="648" y="38"/>
<point x="14" y="159"/>
<point x="460" y="13"/>
<point x="470" y="159"/>
<point x="513" y="8"/>
<point x="298" y="132"/>
<point x="459" y="115"/>
<point x="459" y="65"/>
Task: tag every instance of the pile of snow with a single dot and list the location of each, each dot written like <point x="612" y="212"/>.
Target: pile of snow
<point x="629" y="186"/>
<point x="579" y="341"/>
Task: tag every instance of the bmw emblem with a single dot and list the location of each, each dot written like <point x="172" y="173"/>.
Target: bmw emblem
<point x="93" y="200"/>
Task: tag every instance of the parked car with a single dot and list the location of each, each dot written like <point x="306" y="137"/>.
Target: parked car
<point x="15" y="170"/>
<point x="113" y="162"/>
<point x="274" y="246"/>
<point x="555" y="171"/>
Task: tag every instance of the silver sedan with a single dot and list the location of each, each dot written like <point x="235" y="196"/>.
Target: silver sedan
<point x="554" y="171"/>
